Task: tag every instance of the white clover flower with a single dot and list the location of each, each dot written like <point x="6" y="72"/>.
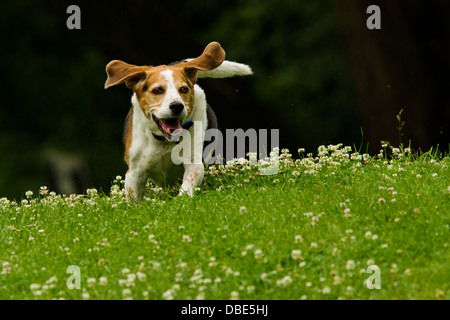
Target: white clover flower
<point x="234" y="295"/>
<point x="393" y="268"/>
<point x="35" y="286"/>
<point x="141" y="276"/>
<point x="285" y="281"/>
<point x="43" y="190"/>
<point x="368" y="235"/>
<point x="336" y="252"/>
<point x="168" y="295"/>
<point x="92" y="192"/>
<point x="131" y="278"/>
<point x="126" y="293"/>
<point x="200" y="296"/>
<point x="125" y="271"/>
<point x="296" y="254"/>
<point x="242" y="209"/>
<point x="314" y="220"/>
<point x="326" y="290"/>
<point x="178" y="277"/>
<point x="298" y="238"/>
<point x="103" y="281"/>
<point x="252" y="157"/>
<point x="350" y="265"/>
<point x="186" y="238"/>
<point x="337" y="280"/>
<point x="313" y="245"/>
<point x="258" y="253"/>
<point x="91" y="282"/>
<point x="264" y="276"/>
<point x="198" y="273"/>
<point x="347" y="212"/>
<point x="370" y="262"/>
<point x="250" y="289"/>
<point x="37" y="293"/>
<point x="6" y="267"/>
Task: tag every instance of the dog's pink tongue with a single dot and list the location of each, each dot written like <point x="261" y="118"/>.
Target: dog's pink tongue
<point x="170" y="125"/>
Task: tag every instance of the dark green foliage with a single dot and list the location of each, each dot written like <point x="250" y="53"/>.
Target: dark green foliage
<point x="52" y="94"/>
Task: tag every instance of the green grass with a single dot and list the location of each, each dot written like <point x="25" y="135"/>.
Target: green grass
<point x="239" y="236"/>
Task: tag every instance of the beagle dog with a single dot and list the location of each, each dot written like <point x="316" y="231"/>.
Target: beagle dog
<point x="167" y="100"/>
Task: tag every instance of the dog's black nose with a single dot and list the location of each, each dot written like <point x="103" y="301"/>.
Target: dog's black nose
<point x="176" y="107"/>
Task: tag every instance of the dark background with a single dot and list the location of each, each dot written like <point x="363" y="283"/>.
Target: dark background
<point x="320" y="77"/>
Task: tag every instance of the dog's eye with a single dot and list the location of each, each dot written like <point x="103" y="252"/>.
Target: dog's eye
<point x="184" y="89"/>
<point x="158" y="90"/>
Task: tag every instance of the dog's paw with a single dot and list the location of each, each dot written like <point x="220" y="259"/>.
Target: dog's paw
<point x="184" y="192"/>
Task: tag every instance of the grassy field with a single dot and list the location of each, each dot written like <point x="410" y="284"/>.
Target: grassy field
<point x="310" y="231"/>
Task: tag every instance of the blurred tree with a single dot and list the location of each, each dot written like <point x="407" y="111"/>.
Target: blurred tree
<point x="404" y="65"/>
<point x="52" y="80"/>
<point x="301" y="76"/>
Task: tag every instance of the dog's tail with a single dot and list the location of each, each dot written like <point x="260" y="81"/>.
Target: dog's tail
<point x="226" y="70"/>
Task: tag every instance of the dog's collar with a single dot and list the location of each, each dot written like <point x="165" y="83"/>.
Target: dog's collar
<point x="159" y="138"/>
<point x="185" y="126"/>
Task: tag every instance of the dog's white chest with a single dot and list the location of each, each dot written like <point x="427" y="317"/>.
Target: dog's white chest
<point x="153" y="159"/>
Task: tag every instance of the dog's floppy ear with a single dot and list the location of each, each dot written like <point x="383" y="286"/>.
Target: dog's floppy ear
<point x="119" y="72"/>
<point x="211" y="58"/>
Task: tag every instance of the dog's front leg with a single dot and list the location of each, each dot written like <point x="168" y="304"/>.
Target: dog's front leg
<point x="135" y="181"/>
<point x="193" y="176"/>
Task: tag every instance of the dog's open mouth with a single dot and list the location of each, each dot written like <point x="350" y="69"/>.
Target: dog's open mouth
<point x="167" y="126"/>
